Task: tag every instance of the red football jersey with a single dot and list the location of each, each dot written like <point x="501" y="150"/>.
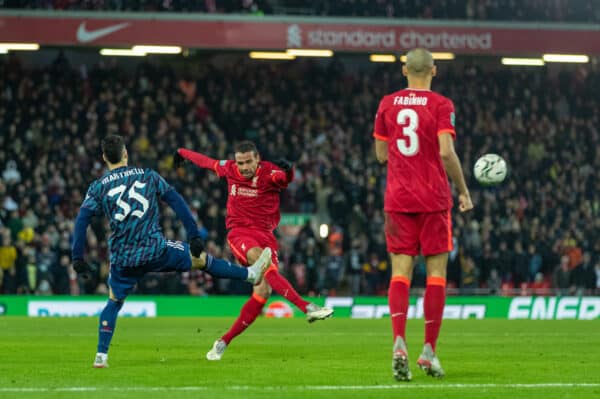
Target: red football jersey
<point x="253" y="203"/>
<point x="410" y="121"/>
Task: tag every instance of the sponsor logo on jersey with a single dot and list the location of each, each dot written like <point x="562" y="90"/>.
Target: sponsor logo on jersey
<point x="243" y="191"/>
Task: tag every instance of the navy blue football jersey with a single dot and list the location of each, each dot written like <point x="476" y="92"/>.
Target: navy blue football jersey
<point x="129" y="196"/>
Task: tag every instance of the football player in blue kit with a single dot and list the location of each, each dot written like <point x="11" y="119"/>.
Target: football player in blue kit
<point x="129" y="196"/>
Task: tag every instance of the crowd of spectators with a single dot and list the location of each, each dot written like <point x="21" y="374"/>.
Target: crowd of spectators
<point x="539" y="230"/>
<point x="492" y="10"/>
<point x="257" y="7"/>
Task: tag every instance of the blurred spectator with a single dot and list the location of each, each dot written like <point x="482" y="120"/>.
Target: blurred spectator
<point x="469" y="275"/>
<point x="597" y="270"/>
<point x="60" y="276"/>
<point x="8" y="258"/>
<point x="11" y="174"/>
<point x="355" y="260"/>
<point x="520" y="270"/>
<point x="494" y="282"/>
<point x="540" y="285"/>
<point x="535" y="262"/>
<point x="562" y="276"/>
<point x="584" y="276"/>
<point x="312" y="261"/>
<point x="370" y="271"/>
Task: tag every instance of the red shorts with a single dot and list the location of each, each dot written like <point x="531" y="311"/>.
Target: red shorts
<point x="241" y="240"/>
<point x="410" y="233"/>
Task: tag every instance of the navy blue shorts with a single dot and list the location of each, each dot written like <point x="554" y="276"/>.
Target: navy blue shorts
<point x="176" y="258"/>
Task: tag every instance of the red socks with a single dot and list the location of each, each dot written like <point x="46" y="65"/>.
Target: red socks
<point x="283" y="287"/>
<point x="398" y="300"/>
<point x="253" y="307"/>
<point x="433" y="307"/>
<point x="250" y="311"/>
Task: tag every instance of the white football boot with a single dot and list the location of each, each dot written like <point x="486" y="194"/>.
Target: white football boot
<point x="217" y="350"/>
<point x="429" y="362"/>
<point x="400" y="361"/>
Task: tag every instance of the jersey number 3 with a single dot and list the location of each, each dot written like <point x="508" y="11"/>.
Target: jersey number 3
<point x="119" y="190"/>
<point x="409" y="144"/>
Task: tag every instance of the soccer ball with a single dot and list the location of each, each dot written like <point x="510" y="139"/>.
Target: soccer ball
<point x="490" y="169"/>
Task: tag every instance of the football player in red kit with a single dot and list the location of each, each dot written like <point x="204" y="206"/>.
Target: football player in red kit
<point x="414" y="133"/>
<point x="252" y="215"/>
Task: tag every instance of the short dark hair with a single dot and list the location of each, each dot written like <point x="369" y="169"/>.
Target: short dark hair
<point x="112" y="148"/>
<point x="245" y="146"/>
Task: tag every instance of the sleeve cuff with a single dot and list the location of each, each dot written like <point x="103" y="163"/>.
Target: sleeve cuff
<point x="449" y="131"/>
<point x="380" y="137"/>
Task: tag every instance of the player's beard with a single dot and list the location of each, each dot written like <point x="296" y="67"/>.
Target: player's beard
<point x="248" y="173"/>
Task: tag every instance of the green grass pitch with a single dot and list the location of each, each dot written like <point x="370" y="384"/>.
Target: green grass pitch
<point x="288" y="358"/>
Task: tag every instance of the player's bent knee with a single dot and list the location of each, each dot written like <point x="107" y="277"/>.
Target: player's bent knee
<point x="253" y="254"/>
<point x="263" y="289"/>
<point x="116" y="304"/>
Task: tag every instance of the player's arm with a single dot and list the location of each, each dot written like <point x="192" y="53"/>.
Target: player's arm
<point x="168" y="194"/>
<point x="183" y="212"/>
<point x="197" y="159"/>
<point x="381" y="150"/>
<point x="83" y="220"/>
<point x="87" y="210"/>
<point x="452" y="163"/>
<point x="282" y="178"/>
<point x="380" y="134"/>
<point x="446" y="135"/>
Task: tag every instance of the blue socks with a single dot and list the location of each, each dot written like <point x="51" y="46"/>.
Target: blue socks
<point x="108" y="320"/>
<point x="224" y="269"/>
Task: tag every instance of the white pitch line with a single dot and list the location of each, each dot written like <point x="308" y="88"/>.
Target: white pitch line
<point x="307" y="387"/>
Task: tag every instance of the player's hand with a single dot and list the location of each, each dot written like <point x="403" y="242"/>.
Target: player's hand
<point x="284" y="164"/>
<point x="82" y="268"/>
<point x="464" y="202"/>
<point x="196" y="246"/>
<point x="178" y="160"/>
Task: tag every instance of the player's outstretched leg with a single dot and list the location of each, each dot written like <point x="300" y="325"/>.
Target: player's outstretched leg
<point x="430" y="363"/>
<point x="108" y="321"/>
<point x="225" y="269"/>
<point x="315" y="312"/>
<point x="283" y="287"/>
<point x="400" y="368"/>
<point x="249" y="312"/>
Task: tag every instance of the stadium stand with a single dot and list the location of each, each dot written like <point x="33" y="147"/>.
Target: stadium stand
<point x="540" y="230"/>
<point x="487" y="10"/>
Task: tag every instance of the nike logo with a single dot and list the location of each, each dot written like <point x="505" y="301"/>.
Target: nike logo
<point x="429" y="321"/>
<point x="86" y="36"/>
<point x="397" y="314"/>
